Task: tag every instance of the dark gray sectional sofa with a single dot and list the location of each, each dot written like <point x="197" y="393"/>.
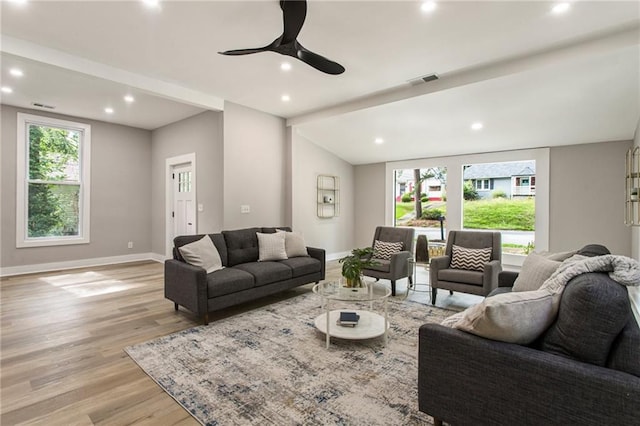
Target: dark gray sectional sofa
<point x="584" y="370"/>
<point x="243" y="278"/>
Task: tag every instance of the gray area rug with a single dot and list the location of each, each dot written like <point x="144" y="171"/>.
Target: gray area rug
<point x="270" y="366"/>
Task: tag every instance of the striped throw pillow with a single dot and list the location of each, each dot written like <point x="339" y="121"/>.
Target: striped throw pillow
<point x="469" y="259"/>
<point x="383" y="250"/>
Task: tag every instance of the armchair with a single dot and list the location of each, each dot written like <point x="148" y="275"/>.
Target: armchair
<point x="442" y="275"/>
<point x="397" y="266"/>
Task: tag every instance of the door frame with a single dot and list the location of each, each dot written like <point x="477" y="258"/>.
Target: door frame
<point x="170" y="164"/>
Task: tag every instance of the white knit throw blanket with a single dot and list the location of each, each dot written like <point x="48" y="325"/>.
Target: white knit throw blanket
<point x="622" y="269"/>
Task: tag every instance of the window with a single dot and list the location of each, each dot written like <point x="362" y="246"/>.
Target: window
<point x="482" y="184"/>
<point x="52" y="181"/>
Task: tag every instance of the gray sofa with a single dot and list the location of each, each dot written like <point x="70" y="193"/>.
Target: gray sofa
<point x="243" y="278"/>
<point x="584" y="370"/>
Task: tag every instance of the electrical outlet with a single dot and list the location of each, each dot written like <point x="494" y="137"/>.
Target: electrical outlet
<point x="245" y="208"/>
<point x="130" y="244"/>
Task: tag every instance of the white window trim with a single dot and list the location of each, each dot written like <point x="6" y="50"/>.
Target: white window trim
<point x="22" y="239"/>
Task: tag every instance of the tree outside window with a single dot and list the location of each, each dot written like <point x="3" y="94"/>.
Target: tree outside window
<point x="53" y="189"/>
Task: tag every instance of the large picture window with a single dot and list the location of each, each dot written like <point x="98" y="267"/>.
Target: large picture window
<point x="52" y="181"/>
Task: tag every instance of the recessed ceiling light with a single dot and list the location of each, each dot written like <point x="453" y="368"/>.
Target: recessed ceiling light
<point x="285" y="66"/>
<point x="428" y="6"/>
<point x="285" y="98"/>
<point x="477" y="125"/>
<point x="108" y="110"/>
<point x="6" y="89"/>
<point x="561" y="8"/>
<point x="16" y="72"/>
<point x="129" y="98"/>
<point x="379" y="141"/>
<point x="151" y="3"/>
<point x="18" y="1"/>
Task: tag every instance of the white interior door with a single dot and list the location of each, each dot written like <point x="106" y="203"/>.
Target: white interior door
<point x="184" y="200"/>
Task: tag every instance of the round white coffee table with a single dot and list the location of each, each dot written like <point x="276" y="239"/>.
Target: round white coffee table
<point x="370" y="323"/>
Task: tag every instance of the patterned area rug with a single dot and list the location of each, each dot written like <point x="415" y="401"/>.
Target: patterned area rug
<point x="270" y="366"/>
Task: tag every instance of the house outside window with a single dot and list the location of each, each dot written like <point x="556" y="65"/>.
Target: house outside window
<point x="52" y="182"/>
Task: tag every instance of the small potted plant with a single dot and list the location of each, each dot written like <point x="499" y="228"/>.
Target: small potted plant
<point x="353" y="264"/>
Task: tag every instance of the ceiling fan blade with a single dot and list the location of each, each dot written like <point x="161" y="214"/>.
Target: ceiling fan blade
<point x="319" y="62"/>
<point x="237" y="52"/>
<point x="294" y="13"/>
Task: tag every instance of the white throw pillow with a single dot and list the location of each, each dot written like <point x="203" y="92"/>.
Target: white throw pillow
<point x="271" y="246"/>
<point x="294" y="244"/>
<point x="469" y="259"/>
<point x="536" y="269"/>
<point x="202" y="253"/>
<point x="509" y="317"/>
<point x="384" y="249"/>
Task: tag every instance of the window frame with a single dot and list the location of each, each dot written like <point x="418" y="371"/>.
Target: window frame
<point x="22" y="182"/>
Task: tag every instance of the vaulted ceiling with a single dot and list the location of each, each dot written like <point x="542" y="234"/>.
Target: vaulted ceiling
<point x="531" y="76"/>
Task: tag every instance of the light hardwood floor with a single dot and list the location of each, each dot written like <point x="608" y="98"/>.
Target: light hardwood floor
<point x="62" y="338"/>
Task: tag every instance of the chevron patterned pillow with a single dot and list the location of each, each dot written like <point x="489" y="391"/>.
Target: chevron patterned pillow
<point x="469" y="259"/>
<point x="383" y="250"/>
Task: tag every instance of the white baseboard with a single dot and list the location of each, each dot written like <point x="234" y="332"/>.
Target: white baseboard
<point x="81" y="263"/>
<point x="336" y="256"/>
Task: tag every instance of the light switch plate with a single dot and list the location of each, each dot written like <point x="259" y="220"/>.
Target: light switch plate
<point x="245" y="208"/>
<point x="200" y="208"/>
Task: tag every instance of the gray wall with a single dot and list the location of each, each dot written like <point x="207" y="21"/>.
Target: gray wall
<point x="255" y="168"/>
<point x="587" y="197"/>
<point x="335" y="235"/>
<point x="370" y="197"/>
<point x="120" y="194"/>
<point x="202" y="135"/>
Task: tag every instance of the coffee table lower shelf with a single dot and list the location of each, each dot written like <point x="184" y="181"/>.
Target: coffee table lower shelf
<point x="370" y="325"/>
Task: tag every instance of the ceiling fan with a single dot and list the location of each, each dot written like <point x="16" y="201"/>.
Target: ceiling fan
<point x="294" y="13"/>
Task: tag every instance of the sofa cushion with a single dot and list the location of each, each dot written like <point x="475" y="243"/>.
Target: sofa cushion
<point x="202" y="253"/>
<point x="381" y="265"/>
<point x="384" y="249"/>
<point x="625" y="351"/>
<point x="227" y="281"/>
<point x="469" y="259"/>
<point x="271" y="246"/>
<point x="302" y="266"/>
<point x="242" y="245"/>
<point x="266" y="272"/>
<point x="461" y="276"/>
<point x="517" y="317"/>
<point x="536" y="269"/>
<point x="593" y="311"/>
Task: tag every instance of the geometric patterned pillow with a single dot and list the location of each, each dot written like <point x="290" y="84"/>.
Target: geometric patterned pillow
<point x="469" y="259"/>
<point x="383" y="250"/>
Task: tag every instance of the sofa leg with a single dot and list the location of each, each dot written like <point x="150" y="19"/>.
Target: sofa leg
<point x="451" y="292"/>
<point x="410" y="280"/>
<point x="437" y="422"/>
<point x="434" y="293"/>
<point x="175" y="306"/>
<point x="206" y="319"/>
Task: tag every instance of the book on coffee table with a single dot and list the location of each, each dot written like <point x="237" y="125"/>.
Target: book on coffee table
<point x="349" y="319"/>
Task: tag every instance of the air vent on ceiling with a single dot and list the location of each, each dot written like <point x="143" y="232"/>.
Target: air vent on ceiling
<point x="424" y="79"/>
<point x="39" y="105"/>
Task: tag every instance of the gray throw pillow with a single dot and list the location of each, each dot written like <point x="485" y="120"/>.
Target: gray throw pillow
<point x="202" y="253"/>
<point x="271" y="246"/>
<point x="294" y="244"/>
<point x="536" y="269"/>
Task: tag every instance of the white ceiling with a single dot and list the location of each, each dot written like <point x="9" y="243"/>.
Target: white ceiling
<point x="533" y="78"/>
